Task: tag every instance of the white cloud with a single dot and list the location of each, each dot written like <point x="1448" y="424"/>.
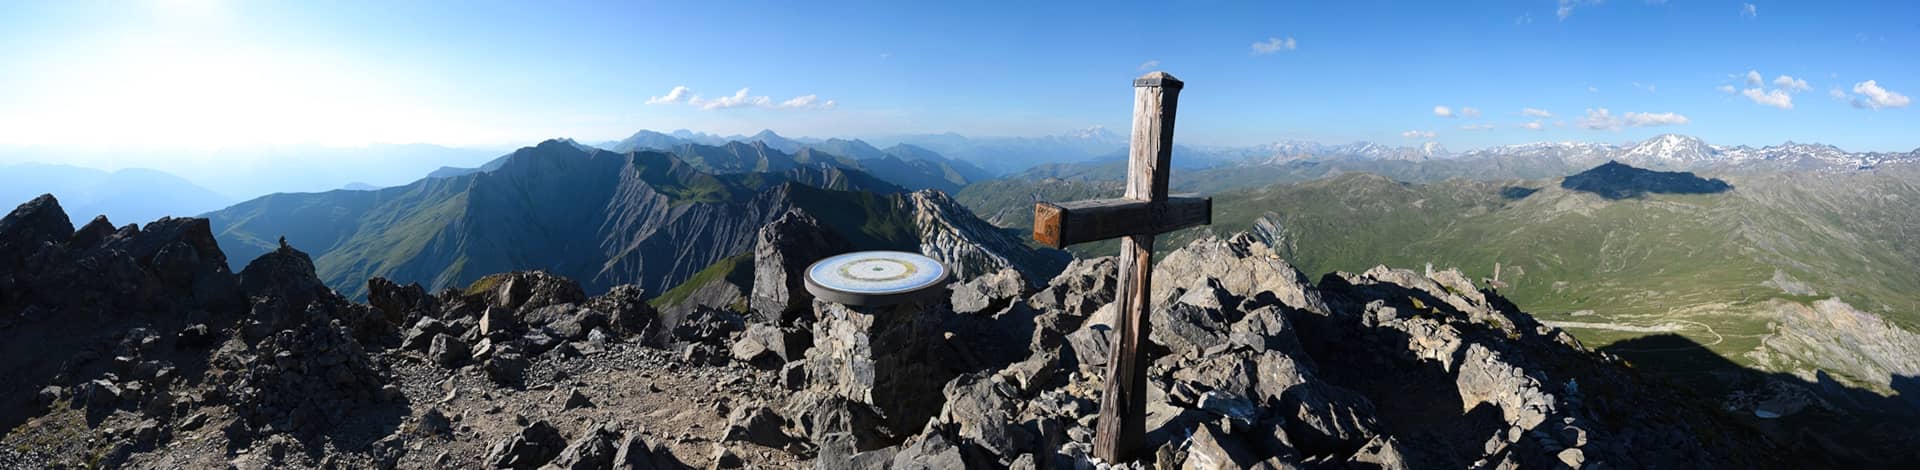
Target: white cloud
<point x="1272" y="45"/>
<point x="1593" y="90"/>
<point x="1876" y="97"/>
<point x="1536" y="125"/>
<point x="1727" y="89"/>
<point x="1602" y="120"/>
<point x="1653" y="120"/>
<point x="1599" y="120"/>
<point x="739" y="98"/>
<point x="1476" y="127"/>
<point x="1524" y="19"/>
<point x="807" y="102"/>
<point x="1753" y="78"/>
<point x="1443" y="111"/>
<point x="1532" y="112"/>
<point x="1749" y="11"/>
<point x="1469" y="111"/>
<point x="673" y="96"/>
<point x="1837" y="94"/>
<point x="1791" y="84"/>
<point x="1149" y="65"/>
<point x="1418" y="134"/>
<point x="1776" y="98"/>
<point x="1567" y="6"/>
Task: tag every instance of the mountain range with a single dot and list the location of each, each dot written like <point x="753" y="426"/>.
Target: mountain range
<point x="646" y="217"/>
<point x="1797" y="270"/>
<point x="246" y="171"/>
<point x="1292" y="162"/>
<point x="127" y="194"/>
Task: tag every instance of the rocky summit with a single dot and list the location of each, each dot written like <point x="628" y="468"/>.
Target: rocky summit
<point x="136" y="347"/>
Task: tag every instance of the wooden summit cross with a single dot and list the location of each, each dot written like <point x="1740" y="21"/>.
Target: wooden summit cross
<point x="1145" y="211"/>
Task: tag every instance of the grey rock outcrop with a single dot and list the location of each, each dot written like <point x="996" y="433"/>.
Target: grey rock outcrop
<point x="782" y="251"/>
<point x="1261" y="368"/>
<point x="528" y="449"/>
<point x="990" y="293"/>
<point x="299" y="380"/>
<point x="889" y="357"/>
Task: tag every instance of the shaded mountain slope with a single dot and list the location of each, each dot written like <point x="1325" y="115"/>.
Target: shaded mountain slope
<point x="127" y="194"/>
<point x="645" y="218"/>
<point x="1615" y="180"/>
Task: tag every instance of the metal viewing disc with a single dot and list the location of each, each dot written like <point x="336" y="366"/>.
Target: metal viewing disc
<point x="874" y="277"/>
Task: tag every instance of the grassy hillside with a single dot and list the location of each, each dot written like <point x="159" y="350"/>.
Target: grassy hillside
<point x="1715" y="268"/>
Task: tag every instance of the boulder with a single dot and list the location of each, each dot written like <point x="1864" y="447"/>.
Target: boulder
<point x="627" y="310"/>
<point x="419" y="337"/>
<point x="831" y="420"/>
<point x="770" y="347"/>
<point x="1211" y="448"/>
<point x="990" y="293"/>
<point x="448" y="351"/>
<point x="594" y="450"/>
<point x="755" y="424"/>
<point x="575" y="399"/>
<point x="931" y="451"/>
<point x="496" y="320"/>
<point x="633" y="454"/>
<point x="287" y="275"/>
<point x="90" y="235"/>
<point x="527" y="449"/>
<point x="400" y="303"/>
<point x="38" y="222"/>
<point x="707" y="325"/>
<point x="782" y="252"/>
<point x="528" y="290"/>
<point x="1241" y="265"/>
<point x="983" y="408"/>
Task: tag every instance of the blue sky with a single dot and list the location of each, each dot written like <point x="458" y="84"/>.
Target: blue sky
<point x="207" y="72"/>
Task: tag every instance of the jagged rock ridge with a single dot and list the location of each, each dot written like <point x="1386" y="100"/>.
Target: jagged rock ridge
<point x="1252" y="365"/>
<point x="644" y="218"/>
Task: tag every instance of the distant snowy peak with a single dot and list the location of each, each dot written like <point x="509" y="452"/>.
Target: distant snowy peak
<point x="1095" y="133"/>
<point x="1672" y="149"/>
<point x="1668" y="151"/>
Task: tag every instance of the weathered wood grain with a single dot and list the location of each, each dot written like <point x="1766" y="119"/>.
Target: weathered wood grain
<point x="1121" y="427"/>
<point x="1067" y="223"/>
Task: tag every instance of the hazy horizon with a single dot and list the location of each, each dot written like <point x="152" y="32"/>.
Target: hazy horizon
<point x="171" y="74"/>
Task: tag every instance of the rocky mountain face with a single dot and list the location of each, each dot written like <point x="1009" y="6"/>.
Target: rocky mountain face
<point x="645" y="218"/>
<point x="1252" y="365"/>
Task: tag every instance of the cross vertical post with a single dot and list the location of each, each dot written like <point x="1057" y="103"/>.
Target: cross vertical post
<point x="1145" y="211"/>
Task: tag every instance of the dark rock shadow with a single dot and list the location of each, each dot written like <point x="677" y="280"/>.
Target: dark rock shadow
<point x="1615" y="181"/>
<point x="1840" y="426"/>
<point x="1515" y="193"/>
<point x="1670" y="402"/>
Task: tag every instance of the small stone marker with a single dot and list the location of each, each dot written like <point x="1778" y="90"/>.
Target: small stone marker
<point x="1145" y="211"/>
<point x="875" y="277"/>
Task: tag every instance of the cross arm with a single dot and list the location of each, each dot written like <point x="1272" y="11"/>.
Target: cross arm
<point x="1061" y="224"/>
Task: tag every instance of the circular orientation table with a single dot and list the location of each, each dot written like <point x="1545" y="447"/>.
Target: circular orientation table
<point x="875" y="277"/>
